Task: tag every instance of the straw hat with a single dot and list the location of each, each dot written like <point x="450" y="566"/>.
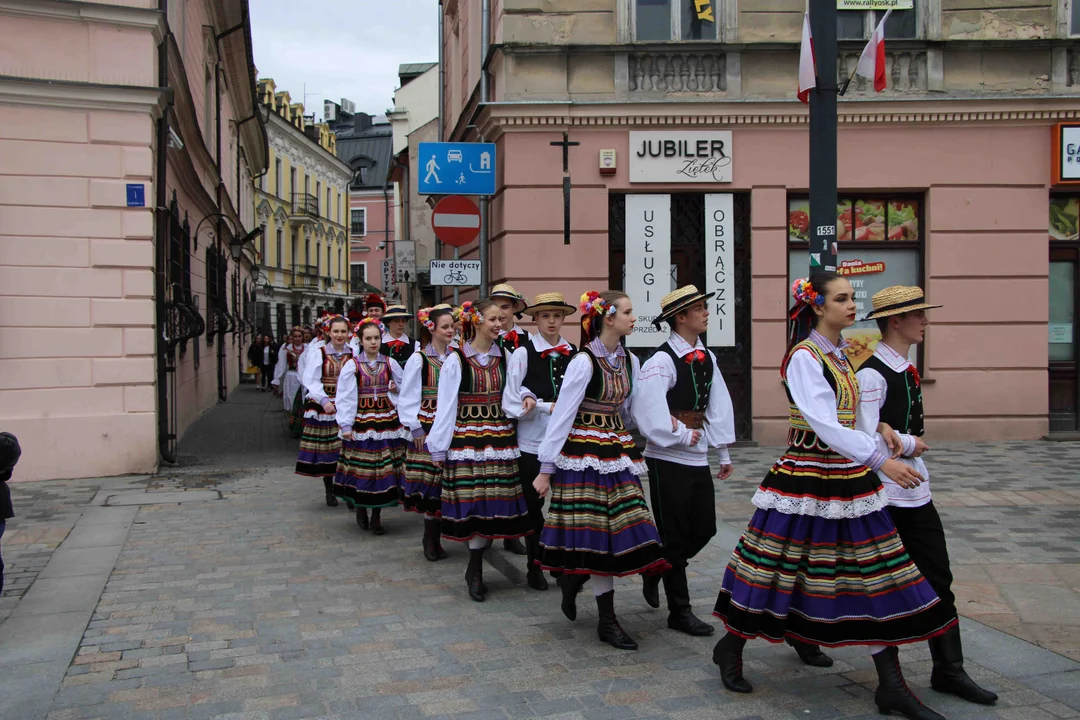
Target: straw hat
<point x="396" y="312"/>
<point x="552" y="301"/>
<point x="898" y="299"/>
<point x="507" y="291"/>
<point x="678" y="300"/>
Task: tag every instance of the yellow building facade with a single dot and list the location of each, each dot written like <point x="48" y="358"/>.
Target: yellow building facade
<point x="302" y="202"/>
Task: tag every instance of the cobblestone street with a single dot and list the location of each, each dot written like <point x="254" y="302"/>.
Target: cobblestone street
<point x="225" y="588"/>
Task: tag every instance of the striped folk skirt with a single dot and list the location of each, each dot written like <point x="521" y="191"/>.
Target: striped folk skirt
<point x="821" y="562"/>
<point x="598" y="522"/>
<point x="369" y="469"/>
<point x="481" y="488"/>
<point x="319" y="443"/>
<point x="422" y="489"/>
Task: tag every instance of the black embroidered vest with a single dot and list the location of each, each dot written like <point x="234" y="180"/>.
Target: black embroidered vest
<point x="903" y="408"/>
<point x="544" y="376"/>
<point x="401" y="354"/>
<point x="693" y="381"/>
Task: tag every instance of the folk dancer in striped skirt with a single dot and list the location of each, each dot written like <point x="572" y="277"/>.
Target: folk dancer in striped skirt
<point x="422" y="489"/>
<point x="319" y="443"/>
<point x="475" y="444"/>
<point x="820" y="561"/>
<point x="533" y="381"/>
<point x="597" y="523"/>
<point x="287" y="383"/>
<point x="373" y="439"/>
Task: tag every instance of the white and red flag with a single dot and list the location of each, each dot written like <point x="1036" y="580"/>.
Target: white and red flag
<point x="807" y="72"/>
<point x="872" y="61"/>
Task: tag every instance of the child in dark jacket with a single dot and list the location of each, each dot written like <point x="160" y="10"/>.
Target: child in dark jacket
<point x="9" y="456"/>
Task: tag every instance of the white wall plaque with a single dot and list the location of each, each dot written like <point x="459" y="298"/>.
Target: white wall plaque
<point x="648" y="261"/>
<point x="720" y="268"/>
<point x="688" y="156"/>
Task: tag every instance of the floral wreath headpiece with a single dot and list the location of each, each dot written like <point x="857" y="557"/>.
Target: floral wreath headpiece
<point x="424" y="316"/>
<point x="593" y="307"/>
<point x="358" y="329"/>
<point x="803" y="291"/>
<point x="455" y="312"/>
<point x="328" y="319"/>
<point x="470" y="314"/>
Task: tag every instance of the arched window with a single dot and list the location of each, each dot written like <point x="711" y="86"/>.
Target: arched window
<point x="362" y="169"/>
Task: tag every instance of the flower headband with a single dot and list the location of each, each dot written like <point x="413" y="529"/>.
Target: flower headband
<point x="358" y="330"/>
<point x="470" y="314"/>
<point x="327" y="320"/>
<point x="803" y="291"/>
<point x="424" y="315"/>
<point x="593" y="307"/>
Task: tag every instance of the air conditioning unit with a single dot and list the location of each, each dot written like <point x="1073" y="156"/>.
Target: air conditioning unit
<point x="329" y="110"/>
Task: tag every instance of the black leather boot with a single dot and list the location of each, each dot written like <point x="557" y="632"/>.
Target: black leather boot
<point x="728" y="656"/>
<point x="608" y="627"/>
<point x="328" y="485"/>
<point x="810" y="654"/>
<point x="650" y="589"/>
<point x="376" y="522"/>
<point x="534" y="576"/>
<point x="362" y="518"/>
<point x="514" y="545"/>
<point x="429" y="540"/>
<point x="892" y="692"/>
<point x="438" y="539"/>
<point x="680" y="616"/>
<point x="949" y="676"/>
<point x="571" y="585"/>
<point x="474" y="575"/>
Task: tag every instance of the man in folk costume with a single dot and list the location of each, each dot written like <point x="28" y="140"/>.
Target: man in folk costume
<point x="374" y="306"/>
<point x="683" y="377"/>
<point x="511" y="304"/>
<point x="395" y="343"/>
<point x="891" y="393"/>
<point x="534" y="377"/>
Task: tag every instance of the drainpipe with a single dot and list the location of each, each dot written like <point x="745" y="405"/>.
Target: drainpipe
<point x="160" y="247"/>
<point x="439" y="124"/>
<point x="485" y="220"/>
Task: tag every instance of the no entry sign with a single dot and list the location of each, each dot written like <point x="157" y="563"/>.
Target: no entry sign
<point x="456" y="220"/>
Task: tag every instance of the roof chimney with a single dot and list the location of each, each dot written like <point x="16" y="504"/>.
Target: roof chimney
<point x="361" y="122"/>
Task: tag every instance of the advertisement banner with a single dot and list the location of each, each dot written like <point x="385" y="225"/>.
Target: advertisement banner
<point x="875" y="4"/>
<point x="719" y="268"/>
<point x="648" y="261"/>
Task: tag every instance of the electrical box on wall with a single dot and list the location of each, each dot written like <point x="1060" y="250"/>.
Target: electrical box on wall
<point x="607" y="162"/>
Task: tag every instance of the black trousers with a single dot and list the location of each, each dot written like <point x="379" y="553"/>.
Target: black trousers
<point x="684" y="508"/>
<point x="266" y="374"/>
<point x="529" y="468"/>
<point x="922" y="534"/>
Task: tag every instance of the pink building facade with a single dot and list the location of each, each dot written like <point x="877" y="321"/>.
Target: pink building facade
<point x="121" y="324"/>
<point x="939" y="186"/>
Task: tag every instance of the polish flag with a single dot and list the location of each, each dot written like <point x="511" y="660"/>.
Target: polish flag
<point x="807" y="73"/>
<point x="872" y="61"/>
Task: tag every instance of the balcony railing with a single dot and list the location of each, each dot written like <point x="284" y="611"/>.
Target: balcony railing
<point x="305" y="206"/>
<point x="305" y="276"/>
<point x="904" y="69"/>
<point x="693" y="69"/>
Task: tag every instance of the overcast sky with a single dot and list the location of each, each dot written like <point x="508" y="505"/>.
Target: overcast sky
<point x="342" y="48"/>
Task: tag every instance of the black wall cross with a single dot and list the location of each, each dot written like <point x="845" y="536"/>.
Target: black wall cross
<point x="565" y="144"/>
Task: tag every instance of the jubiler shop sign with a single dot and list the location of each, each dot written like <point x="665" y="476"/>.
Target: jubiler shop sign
<point x="680" y="156"/>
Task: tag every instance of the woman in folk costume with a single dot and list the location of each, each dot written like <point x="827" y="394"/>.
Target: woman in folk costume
<point x="597" y="523"/>
<point x="287" y="380"/>
<point x="474" y="442"/>
<point x="820" y="561"/>
<point x="533" y="381"/>
<point x="320" y="443"/>
<point x="422" y="489"/>
<point x="372" y="437"/>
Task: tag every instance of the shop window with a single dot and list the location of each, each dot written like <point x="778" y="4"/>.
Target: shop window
<point x="678" y="20"/>
<point x="859" y="24"/>
<point x="880" y="244"/>
<point x="1064" y="291"/>
<point x="1074" y="17"/>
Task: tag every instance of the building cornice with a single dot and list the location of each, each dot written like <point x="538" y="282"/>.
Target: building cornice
<point x="82" y="96"/>
<point x="285" y="135"/>
<point x="150" y="19"/>
<point x="511" y="117"/>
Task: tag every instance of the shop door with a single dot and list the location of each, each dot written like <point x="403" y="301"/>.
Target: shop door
<point x="1064" y="389"/>
<point x="688" y="257"/>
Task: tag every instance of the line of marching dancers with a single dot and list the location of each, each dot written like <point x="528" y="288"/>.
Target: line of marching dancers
<point x="478" y="422"/>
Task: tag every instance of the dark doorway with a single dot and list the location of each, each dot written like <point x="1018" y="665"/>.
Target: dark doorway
<point x="688" y="255"/>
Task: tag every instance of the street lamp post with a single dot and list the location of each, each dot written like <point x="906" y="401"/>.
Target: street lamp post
<point x="823" y="138"/>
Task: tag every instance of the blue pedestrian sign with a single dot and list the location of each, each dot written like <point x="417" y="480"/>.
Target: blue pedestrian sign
<point x="456" y="168"/>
